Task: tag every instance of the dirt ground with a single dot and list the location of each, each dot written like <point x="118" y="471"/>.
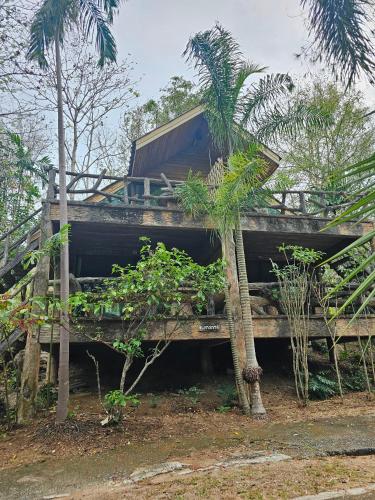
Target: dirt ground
<point x="84" y="460"/>
<point x="162" y="416"/>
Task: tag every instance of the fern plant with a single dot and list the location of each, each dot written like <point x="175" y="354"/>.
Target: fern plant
<point x="321" y="386"/>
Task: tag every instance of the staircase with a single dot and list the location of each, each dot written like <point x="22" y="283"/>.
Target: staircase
<point x="15" y="247"/>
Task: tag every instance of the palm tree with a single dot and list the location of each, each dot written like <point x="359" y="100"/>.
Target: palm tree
<point x="48" y="29"/>
<point x="241" y="181"/>
<point x="230" y="106"/>
<point x="342" y="35"/>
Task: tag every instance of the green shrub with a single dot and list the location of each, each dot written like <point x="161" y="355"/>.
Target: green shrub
<point x="115" y="401"/>
<point x="47" y="396"/>
<point x="321" y="385"/>
<point x="354" y="380"/>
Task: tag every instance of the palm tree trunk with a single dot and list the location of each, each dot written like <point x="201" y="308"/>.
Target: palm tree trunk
<point x="235" y="319"/>
<point x="63" y="395"/>
<point x="253" y="371"/>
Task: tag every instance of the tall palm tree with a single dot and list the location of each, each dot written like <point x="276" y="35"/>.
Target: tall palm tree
<point x="231" y="104"/>
<point x="343" y="36"/>
<point x="241" y="181"/>
<point x="48" y="30"/>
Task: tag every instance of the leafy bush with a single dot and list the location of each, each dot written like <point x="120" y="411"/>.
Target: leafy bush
<point x="228" y="395"/>
<point x="115" y="401"/>
<point x="321" y="386"/>
<point x="354" y="380"/>
<point x="47" y="396"/>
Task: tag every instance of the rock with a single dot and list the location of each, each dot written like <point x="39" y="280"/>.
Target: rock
<point x="29" y="479"/>
<point x="147" y="472"/>
<point x="253" y="458"/>
<point x="259" y="301"/>
<point x="271" y="310"/>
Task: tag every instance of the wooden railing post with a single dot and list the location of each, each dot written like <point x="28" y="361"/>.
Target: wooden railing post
<point x="302" y="202"/>
<point x="283" y="201"/>
<point x="126" y="196"/>
<point x="51" y="184"/>
<point x="146" y="191"/>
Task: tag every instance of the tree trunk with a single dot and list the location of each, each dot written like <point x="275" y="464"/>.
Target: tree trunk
<point x="253" y="371"/>
<point x="63" y="395"/>
<point x="30" y="369"/>
<point x="235" y="324"/>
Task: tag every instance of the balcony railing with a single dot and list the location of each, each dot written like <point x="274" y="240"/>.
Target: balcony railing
<point x="152" y="192"/>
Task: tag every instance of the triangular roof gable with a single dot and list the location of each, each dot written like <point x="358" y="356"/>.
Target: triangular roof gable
<point x="177" y="144"/>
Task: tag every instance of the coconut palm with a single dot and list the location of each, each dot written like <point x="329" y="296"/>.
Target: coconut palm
<point x="49" y="27"/>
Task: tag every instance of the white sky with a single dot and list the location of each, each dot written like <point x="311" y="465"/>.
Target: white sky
<point x="155" y="33"/>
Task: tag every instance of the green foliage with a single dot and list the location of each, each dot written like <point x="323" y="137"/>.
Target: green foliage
<point x="52" y="20"/>
<point x="21" y="179"/>
<point x="360" y="210"/>
<point x="193" y="394"/>
<point x="193" y="195"/>
<point x="354" y="379"/>
<point x="50" y="247"/>
<point x="228" y="395"/>
<point x="298" y="261"/>
<point x="316" y="157"/>
<point x="153" y="288"/>
<point x="322" y="386"/>
<point x="223" y="409"/>
<point x="241" y="187"/>
<point x="115" y="401"/>
<point x="47" y="396"/>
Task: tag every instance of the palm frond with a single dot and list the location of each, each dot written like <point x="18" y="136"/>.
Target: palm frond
<point x="264" y="94"/>
<point x="277" y="122"/>
<point x="52" y="17"/>
<point x="243" y="178"/>
<point x="93" y="20"/>
<point x="193" y="195"/>
<point x="110" y="7"/>
<point x="217" y="58"/>
<point x="341" y="34"/>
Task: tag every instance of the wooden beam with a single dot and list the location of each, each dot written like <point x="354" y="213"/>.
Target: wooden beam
<point x="213" y="327"/>
<point x="175" y="218"/>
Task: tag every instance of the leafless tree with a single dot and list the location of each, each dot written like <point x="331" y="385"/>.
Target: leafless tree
<point x="93" y="100"/>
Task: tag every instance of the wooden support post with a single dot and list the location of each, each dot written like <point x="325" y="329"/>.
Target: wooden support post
<point x="146" y="191"/>
<point x="210" y="306"/>
<point x="51" y="372"/>
<point x="206" y="360"/>
<point x="30" y="371"/>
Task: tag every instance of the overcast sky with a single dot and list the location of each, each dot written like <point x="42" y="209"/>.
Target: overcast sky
<point x="155" y="33"/>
